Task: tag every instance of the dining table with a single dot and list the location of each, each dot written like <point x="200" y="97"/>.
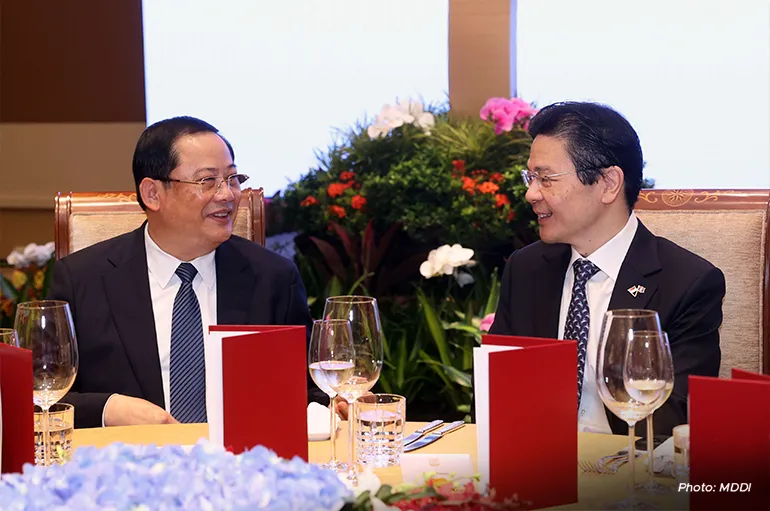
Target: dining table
<point x="594" y="490"/>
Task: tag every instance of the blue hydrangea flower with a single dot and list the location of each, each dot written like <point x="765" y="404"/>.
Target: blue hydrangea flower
<point x="141" y="478"/>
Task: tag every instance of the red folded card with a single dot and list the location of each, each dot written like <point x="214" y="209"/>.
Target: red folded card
<point x="18" y="414"/>
<point x="526" y="418"/>
<point x="730" y="442"/>
<point x="256" y="388"/>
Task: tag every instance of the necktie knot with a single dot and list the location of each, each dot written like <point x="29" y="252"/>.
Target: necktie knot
<point x="186" y="272"/>
<point x="584" y="270"/>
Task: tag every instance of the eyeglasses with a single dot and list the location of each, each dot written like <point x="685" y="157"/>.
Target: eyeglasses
<point x="212" y="185"/>
<point x="544" y="181"/>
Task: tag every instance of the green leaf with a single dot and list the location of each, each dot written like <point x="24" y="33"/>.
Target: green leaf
<point x="7" y="289"/>
<point x="494" y="295"/>
<point x="435" y="327"/>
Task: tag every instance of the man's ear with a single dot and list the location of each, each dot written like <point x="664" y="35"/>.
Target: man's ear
<point x="151" y="192"/>
<point x="613" y="183"/>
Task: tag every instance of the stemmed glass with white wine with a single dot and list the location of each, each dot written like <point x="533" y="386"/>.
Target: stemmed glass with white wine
<point x="649" y="378"/>
<point x="623" y="330"/>
<point x="363" y="314"/>
<point x="330" y="359"/>
<point x="46" y="329"/>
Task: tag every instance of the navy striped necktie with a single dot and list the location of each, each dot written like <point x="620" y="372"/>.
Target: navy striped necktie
<point x="579" y="316"/>
<point x="188" y="367"/>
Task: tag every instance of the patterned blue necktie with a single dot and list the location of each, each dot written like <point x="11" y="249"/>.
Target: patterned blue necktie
<point x="579" y="317"/>
<point x="188" y="368"/>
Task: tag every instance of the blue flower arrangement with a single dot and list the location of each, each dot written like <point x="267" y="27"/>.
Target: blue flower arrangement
<point x="135" y="477"/>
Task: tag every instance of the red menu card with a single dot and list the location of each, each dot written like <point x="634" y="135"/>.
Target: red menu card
<point x="526" y="418"/>
<point x="18" y="415"/>
<point x="256" y="388"/>
<point x="730" y="442"/>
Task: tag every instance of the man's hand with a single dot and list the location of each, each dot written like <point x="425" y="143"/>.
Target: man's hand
<point x="341" y="406"/>
<point x="128" y="411"/>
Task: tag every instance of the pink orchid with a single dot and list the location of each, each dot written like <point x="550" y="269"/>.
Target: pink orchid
<point x="487" y="322"/>
<point x="505" y="113"/>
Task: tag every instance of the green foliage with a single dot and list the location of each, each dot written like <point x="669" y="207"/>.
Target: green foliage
<point x="370" y="212"/>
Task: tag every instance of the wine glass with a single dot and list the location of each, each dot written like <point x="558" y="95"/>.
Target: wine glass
<point x="46" y="329"/>
<point x="649" y="377"/>
<point x="619" y="329"/>
<point x="330" y="358"/>
<point x="364" y="317"/>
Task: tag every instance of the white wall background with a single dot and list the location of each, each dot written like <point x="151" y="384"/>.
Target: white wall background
<point x="276" y="78"/>
<point x="692" y="77"/>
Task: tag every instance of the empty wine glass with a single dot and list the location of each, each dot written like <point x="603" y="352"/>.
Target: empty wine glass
<point x="649" y="377"/>
<point x="635" y="402"/>
<point x="46" y="329"/>
<point x="330" y="358"/>
<point x="364" y="317"/>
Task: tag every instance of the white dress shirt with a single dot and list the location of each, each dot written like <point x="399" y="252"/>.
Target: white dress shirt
<point x="608" y="258"/>
<point x="164" y="284"/>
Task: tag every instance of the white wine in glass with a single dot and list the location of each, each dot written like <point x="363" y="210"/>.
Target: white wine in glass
<point x="619" y="329"/>
<point x="330" y="361"/>
<point x="649" y="378"/>
<point x="364" y="316"/>
<point x="46" y="329"/>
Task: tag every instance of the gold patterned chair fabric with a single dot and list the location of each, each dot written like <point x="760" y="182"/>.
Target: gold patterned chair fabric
<point x="83" y="219"/>
<point x="730" y="229"/>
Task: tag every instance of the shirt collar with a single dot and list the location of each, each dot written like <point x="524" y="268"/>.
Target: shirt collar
<point x="609" y="257"/>
<point x="162" y="265"/>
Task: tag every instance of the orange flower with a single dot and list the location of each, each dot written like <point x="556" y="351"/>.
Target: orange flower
<point x="337" y="210"/>
<point x="347" y="175"/>
<point x="502" y="200"/>
<point x="488" y="187"/>
<point x="336" y="189"/>
<point x="358" y="202"/>
<point x="469" y="185"/>
<point x="309" y="201"/>
<point x="497" y="177"/>
<point x="511" y="216"/>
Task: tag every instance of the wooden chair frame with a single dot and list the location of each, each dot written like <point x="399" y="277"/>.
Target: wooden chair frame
<point x="125" y="202"/>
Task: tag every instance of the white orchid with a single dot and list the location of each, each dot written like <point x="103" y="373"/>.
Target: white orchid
<point x="445" y="260"/>
<point x="393" y="116"/>
<point x="32" y="253"/>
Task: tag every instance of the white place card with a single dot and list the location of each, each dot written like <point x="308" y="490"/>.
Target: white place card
<point x="413" y="466"/>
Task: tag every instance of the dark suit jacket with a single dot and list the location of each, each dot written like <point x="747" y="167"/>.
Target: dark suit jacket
<point x="108" y="290"/>
<point x="685" y="290"/>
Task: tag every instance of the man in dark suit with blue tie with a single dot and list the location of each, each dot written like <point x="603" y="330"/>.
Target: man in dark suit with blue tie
<point x="141" y="301"/>
<point x="584" y="176"/>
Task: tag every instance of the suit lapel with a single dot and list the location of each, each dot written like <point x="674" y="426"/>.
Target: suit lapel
<point x="235" y="286"/>
<point x="550" y="290"/>
<point x="127" y="288"/>
<point x="636" y="282"/>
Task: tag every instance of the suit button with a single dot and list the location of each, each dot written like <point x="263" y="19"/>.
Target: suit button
<point x="582" y="412"/>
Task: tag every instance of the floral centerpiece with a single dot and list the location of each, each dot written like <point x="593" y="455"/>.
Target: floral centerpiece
<point x="133" y="477"/>
<point x="387" y="193"/>
<point x="28" y="277"/>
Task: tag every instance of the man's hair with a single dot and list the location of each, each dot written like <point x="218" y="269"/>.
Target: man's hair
<point x="596" y="137"/>
<point x="156" y="156"/>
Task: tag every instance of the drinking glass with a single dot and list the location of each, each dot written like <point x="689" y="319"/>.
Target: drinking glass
<point x="46" y="329"/>
<point x="364" y="317"/>
<point x="330" y="358"/>
<point x="635" y="402"/>
<point x="648" y="375"/>
<point x="8" y="336"/>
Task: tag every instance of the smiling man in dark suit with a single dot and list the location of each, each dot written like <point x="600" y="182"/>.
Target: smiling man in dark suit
<point x="141" y="301"/>
<point x="584" y="176"/>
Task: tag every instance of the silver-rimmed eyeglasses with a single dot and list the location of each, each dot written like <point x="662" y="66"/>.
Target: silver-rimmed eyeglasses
<point x="544" y="180"/>
<point x="212" y="185"/>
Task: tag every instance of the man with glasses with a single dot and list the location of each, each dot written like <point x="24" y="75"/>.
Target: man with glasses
<point x="141" y="301"/>
<point x="584" y="176"/>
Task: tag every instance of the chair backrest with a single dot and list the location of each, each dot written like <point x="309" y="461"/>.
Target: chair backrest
<point x="83" y="219"/>
<point x="730" y="229"/>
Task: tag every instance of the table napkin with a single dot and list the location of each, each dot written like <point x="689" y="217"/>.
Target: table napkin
<point x="663" y="458"/>
<point x="318" y="417"/>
